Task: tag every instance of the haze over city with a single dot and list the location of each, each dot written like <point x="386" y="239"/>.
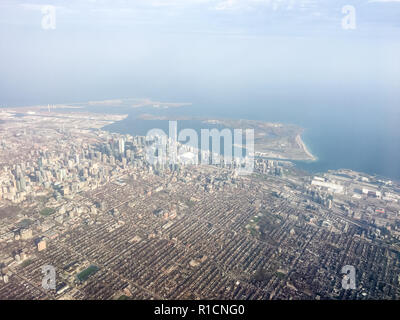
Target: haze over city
<point x="192" y="150"/>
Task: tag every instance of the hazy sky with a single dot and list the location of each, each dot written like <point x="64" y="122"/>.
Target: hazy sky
<point x="186" y="49"/>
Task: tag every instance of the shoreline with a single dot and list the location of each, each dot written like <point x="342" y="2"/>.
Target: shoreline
<point x="303" y="146"/>
<point x="40" y="108"/>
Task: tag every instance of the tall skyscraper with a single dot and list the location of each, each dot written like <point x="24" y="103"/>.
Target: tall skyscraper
<point x="121" y="146"/>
